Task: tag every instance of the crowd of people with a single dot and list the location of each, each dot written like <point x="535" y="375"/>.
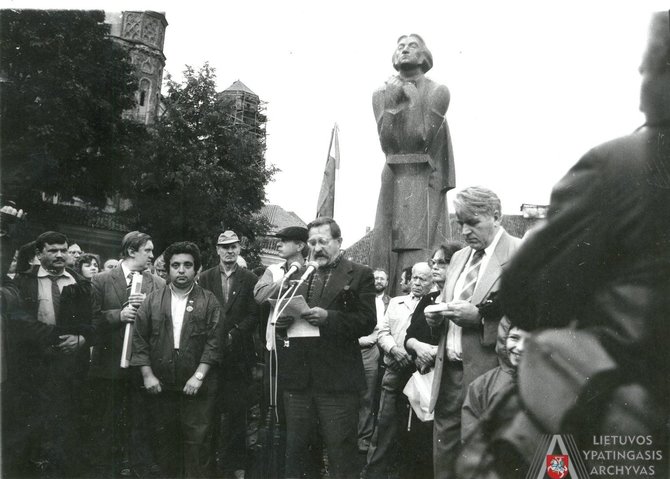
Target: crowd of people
<point x="448" y="379"/>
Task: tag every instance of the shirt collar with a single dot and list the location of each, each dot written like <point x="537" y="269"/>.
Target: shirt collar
<point x="335" y="262"/>
<point x="235" y="268"/>
<point x="126" y="269"/>
<point x="180" y="295"/>
<point x="488" y="251"/>
<point x="43" y="273"/>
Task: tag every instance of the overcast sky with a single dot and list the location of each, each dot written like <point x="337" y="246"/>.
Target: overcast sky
<point x="533" y="84"/>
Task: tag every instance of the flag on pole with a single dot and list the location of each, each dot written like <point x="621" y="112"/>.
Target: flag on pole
<point x="325" y="206"/>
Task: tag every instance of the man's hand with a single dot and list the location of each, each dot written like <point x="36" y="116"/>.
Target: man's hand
<point x="152" y="384"/>
<point x="136" y="299"/>
<point x="283" y="322"/>
<point x="425" y="354"/>
<point x="70" y="343"/>
<point x="192" y="386"/>
<point x="316" y="316"/>
<point x="464" y="314"/>
<point x="128" y="314"/>
<point x="401" y="356"/>
<point x="434" y="320"/>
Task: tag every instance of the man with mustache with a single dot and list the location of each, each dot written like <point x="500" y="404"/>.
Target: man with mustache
<point x="47" y="294"/>
<point x="322" y="374"/>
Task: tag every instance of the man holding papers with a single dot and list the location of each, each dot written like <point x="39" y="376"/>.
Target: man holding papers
<point x="321" y="375"/>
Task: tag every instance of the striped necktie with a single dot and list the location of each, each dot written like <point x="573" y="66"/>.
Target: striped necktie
<point x="471" y="276"/>
<point x="129" y="280"/>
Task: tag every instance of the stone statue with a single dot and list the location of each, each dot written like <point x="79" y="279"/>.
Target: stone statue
<point x="412" y="217"/>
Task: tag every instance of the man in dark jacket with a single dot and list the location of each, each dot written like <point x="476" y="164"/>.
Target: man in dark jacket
<point x="234" y="288"/>
<point x="176" y="345"/>
<point x="322" y="373"/>
<point x="48" y="294"/>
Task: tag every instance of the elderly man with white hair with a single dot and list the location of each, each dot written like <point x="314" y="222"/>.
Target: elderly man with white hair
<point x="467" y="342"/>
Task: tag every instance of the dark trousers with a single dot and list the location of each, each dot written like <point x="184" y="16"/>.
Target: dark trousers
<point x="120" y="420"/>
<point x="41" y="418"/>
<point x="447" y="424"/>
<point x="230" y="437"/>
<point x="182" y="427"/>
<point x="392" y="414"/>
<point x="337" y="417"/>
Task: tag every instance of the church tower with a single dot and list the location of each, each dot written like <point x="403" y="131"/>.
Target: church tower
<point x="142" y="34"/>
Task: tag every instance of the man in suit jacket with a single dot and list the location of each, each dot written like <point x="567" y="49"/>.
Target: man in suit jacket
<point x="176" y="345"/>
<point x="233" y="286"/>
<point x="322" y="375"/>
<point x="119" y="411"/>
<point x="601" y="263"/>
<point x="467" y="343"/>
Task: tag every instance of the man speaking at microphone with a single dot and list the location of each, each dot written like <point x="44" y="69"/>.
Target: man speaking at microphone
<point x="321" y="375"/>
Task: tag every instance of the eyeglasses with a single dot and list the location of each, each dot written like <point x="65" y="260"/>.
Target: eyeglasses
<point x="438" y="262"/>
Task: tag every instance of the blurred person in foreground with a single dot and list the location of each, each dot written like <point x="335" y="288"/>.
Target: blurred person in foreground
<point x="601" y="264"/>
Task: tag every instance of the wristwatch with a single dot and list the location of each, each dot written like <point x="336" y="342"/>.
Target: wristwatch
<point x="199" y="376"/>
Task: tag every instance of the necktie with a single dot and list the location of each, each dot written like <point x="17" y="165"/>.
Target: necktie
<point x="55" y="295"/>
<point x="129" y="280"/>
<point x="471" y="276"/>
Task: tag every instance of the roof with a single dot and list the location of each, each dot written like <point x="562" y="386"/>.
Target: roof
<point x="239" y="86"/>
<point x="279" y="218"/>
<point x="359" y="252"/>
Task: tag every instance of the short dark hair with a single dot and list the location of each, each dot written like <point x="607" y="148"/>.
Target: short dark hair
<point x="87" y="258"/>
<point x="335" y="231"/>
<point x="448" y="249"/>
<point x="50" y="237"/>
<point x="133" y="240"/>
<point x="182" y="247"/>
<point x="407" y="272"/>
<point x="23" y="257"/>
<point x="380" y="270"/>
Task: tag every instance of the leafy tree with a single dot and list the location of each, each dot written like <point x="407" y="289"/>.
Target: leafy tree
<point x="201" y="172"/>
<point x="65" y="84"/>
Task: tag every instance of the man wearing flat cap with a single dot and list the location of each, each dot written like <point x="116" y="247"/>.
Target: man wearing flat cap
<point x="233" y="287"/>
<point x="292" y="248"/>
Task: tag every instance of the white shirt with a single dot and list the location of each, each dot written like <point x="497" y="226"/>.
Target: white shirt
<point x="381" y="307"/>
<point x="393" y="328"/>
<point x="455" y="332"/>
<point x="126" y="272"/>
<point x="45" y="307"/>
<point x="177" y="311"/>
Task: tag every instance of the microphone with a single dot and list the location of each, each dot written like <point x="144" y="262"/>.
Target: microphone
<point x="311" y="267"/>
<point x="295" y="266"/>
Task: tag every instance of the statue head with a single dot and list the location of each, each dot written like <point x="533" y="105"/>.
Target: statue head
<point x="655" y="71"/>
<point x="411" y="51"/>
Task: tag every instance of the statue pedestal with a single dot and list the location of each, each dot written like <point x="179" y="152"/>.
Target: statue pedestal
<point x="411" y="202"/>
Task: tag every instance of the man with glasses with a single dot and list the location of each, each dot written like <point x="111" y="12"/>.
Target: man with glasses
<point x="321" y="373"/>
<point x="398" y="364"/>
